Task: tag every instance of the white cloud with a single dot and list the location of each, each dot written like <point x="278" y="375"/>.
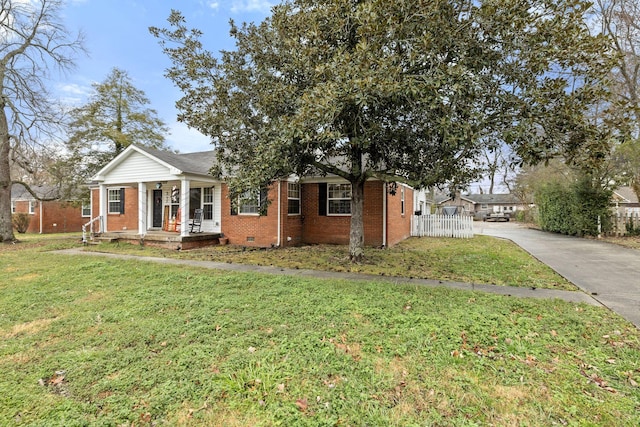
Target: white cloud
<point x="72" y="94"/>
<point x="213" y="5"/>
<point x="187" y="140"/>
<point x="261" y="6"/>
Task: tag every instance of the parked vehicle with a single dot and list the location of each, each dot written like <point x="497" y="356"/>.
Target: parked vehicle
<point x="497" y="216"/>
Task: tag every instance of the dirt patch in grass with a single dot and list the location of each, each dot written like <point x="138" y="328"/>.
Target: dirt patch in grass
<point x="31" y="328"/>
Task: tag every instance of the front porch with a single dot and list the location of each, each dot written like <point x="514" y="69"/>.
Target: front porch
<point x="164" y="239"/>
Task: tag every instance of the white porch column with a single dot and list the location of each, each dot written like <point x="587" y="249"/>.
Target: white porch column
<point x="104" y="207"/>
<point x="142" y="208"/>
<point x="184" y="207"/>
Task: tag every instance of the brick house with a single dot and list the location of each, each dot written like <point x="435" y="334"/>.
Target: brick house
<point x="145" y="191"/>
<point x="51" y="216"/>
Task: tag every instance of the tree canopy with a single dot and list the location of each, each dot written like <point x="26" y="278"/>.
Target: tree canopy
<point x="33" y="43"/>
<point x="115" y="116"/>
<point x="403" y="91"/>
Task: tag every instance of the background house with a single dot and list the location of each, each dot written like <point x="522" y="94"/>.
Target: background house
<point x="625" y="201"/>
<point x="480" y="205"/>
<point x="144" y="192"/>
<point x="51" y="216"/>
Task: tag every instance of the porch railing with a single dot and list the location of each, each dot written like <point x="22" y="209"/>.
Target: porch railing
<point x="92" y="232"/>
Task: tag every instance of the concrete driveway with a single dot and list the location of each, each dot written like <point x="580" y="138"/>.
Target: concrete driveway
<point x="610" y="273"/>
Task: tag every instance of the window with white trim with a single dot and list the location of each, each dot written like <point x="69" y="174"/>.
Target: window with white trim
<point x="249" y="203"/>
<point x="402" y="201"/>
<point x="293" y="198"/>
<point x="32" y="206"/>
<point x="339" y="199"/>
<point x="207" y="203"/>
<point x="13" y="207"/>
<point x="86" y="210"/>
<point x="114" y="200"/>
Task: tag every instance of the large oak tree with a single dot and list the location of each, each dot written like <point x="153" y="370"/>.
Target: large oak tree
<point x="33" y="43"/>
<point x="401" y="91"/>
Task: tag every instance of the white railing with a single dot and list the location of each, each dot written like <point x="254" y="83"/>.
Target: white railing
<point x="458" y="226"/>
<point x="92" y="232"/>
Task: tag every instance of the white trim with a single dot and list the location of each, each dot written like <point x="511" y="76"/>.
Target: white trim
<point x="142" y="208"/>
<point x="103" y="207"/>
<point x="184" y="206"/>
<point x="280" y="211"/>
<point x="384" y="214"/>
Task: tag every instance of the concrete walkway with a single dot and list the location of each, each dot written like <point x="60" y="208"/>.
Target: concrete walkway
<point x="578" y="297"/>
<point x="608" y="272"/>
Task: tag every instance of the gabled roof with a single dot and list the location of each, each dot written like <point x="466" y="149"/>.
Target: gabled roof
<point x="626" y="194"/>
<point x="180" y="164"/>
<point x="495" y="199"/>
<point x="197" y="163"/>
<point x="19" y="192"/>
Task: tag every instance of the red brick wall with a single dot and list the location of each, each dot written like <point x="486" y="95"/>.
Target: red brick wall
<point x="335" y="229"/>
<point x="399" y="225"/>
<point x="250" y="230"/>
<point x="119" y="222"/>
<point x="57" y="217"/>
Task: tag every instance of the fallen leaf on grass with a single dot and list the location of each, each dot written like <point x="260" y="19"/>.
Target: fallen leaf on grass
<point x="302" y="404"/>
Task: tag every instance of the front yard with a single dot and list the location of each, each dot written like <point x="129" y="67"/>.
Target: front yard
<point x="89" y="341"/>
<point x="482" y="259"/>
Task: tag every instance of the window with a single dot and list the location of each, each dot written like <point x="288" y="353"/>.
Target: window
<point x="207" y="203"/>
<point x="293" y="196"/>
<point x="115" y="198"/>
<point x="249" y="203"/>
<point x="32" y="206"/>
<point x="484" y="207"/>
<point x="86" y="210"/>
<point x="13" y="207"/>
<point x="339" y="199"/>
<point x="402" y="201"/>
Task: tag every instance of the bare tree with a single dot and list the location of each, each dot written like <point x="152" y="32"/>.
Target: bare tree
<point x="620" y="20"/>
<point x="33" y="44"/>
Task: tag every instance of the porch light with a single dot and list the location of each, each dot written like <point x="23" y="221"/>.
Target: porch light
<point x="158" y="185"/>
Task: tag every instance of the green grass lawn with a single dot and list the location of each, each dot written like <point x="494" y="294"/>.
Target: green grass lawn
<point x="483" y="259"/>
<point x="88" y="341"/>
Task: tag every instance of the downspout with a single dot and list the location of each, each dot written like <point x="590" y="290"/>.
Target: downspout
<point x="279" y="240"/>
<point x="40" y="205"/>
<point x="384" y="215"/>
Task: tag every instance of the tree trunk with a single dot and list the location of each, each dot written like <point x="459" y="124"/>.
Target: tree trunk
<point x="6" y="227"/>
<point x="356" y="234"/>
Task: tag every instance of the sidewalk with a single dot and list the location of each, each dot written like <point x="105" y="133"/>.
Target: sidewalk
<point x="608" y="272"/>
<point x="570" y="296"/>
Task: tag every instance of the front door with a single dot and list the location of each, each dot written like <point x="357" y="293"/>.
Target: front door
<point x="157" y="208"/>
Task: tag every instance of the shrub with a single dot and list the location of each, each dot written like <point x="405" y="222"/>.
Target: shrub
<point x="20" y="222"/>
<point x="574" y="208"/>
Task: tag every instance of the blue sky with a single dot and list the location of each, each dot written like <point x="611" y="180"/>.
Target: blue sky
<point x="117" y="35"/>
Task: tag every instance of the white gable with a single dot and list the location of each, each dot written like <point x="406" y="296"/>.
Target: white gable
<point x="137" y="167"/>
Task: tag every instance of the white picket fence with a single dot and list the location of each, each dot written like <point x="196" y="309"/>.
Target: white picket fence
<point x="458" y="226"/>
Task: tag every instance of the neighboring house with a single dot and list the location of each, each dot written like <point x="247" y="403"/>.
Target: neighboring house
<point x="480" y="205"/>
<point x="51" y="216"/>
<point x="626" y="201"/>
<point x="145" y="191"/>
